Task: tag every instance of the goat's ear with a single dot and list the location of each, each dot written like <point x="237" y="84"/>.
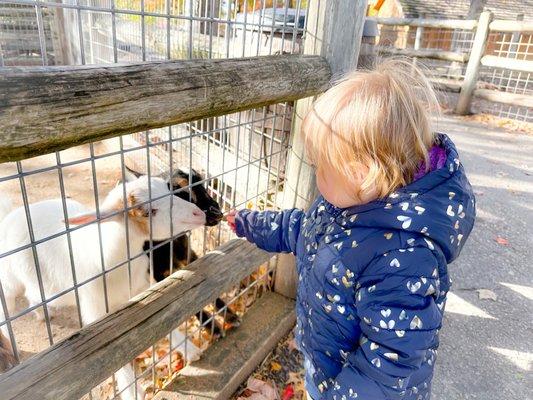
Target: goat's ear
<point x="90" y="216"/>
<point x="131" y="174"/>
<point x="180" y="182"/>
<point x="84" y="218"/>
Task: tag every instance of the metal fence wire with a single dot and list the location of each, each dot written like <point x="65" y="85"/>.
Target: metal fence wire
<point x="219" y="163"/>
<point x="513" y="45"/>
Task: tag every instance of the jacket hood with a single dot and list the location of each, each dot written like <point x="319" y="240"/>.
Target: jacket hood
<point x="440" y="206"/>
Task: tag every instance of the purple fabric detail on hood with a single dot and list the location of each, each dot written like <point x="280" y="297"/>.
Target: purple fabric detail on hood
<point x="437" y="159"/>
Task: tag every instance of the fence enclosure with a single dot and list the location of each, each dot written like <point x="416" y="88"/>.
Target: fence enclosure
<point x="486" y="59"/>
<point x="184" y="94"/>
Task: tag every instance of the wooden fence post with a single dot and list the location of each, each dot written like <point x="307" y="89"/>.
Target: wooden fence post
<point x="474" y="63"/>
<point x="334" y="30"/>
<point x="368" y="50"/>
<point x="418" y="39"/>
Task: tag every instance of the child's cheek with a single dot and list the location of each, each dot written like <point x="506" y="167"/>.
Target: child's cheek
<point x="326" y="186"/>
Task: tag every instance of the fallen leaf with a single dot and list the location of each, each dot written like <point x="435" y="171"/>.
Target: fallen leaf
<point x="288" y="393"/>
<point x="296" y="379"/>
<point x="486" y="294"/>
<point x="291" y="344"/>
<point x="262" y="388"/>
<point x="179" y="365"/>
<point x="275" y="366"/>
<point x="502" y="241"/>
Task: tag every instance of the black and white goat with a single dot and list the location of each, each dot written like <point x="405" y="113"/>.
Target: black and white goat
<point x="188" y="187"/>
<point x="18" y="270"/>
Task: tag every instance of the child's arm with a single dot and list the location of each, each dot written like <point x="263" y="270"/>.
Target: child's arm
<point x="399" y="323"/>
<point x="274" y="231"/>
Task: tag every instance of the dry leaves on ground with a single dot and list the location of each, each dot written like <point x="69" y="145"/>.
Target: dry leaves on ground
<point x="282" y="371"/>
<point x="502" y="241"/>
<point x="486" y="294"/>
<point x="495" y="121"/>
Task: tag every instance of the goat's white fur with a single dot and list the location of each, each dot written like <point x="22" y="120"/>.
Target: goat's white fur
<point x="18" y="271"/>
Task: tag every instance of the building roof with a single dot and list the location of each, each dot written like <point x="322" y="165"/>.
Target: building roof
<point x="458" y="9"/>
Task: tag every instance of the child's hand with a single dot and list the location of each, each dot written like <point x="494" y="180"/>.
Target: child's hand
<point x="230" y="219"/>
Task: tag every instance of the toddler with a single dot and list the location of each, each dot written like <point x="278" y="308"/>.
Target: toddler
<point x="395" y="207"/>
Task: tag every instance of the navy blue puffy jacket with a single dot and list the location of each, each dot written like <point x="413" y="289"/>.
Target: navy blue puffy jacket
<point x="373" y="281"/>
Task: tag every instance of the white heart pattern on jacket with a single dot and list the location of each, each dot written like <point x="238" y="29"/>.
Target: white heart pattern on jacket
<point x="416" y="323"/>
<point x="406" y="221"/>
<point x="420" y="210"/>
<point x="395" y="263"/>
<point x="386" y="313"/>
<point x="449" y="211"/>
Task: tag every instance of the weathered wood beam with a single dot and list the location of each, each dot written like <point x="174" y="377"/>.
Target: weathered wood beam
<point x="507" y="63"/>
<point x="47" y="109"/>
<point x="449" y="85"/>
<point x="73" y="366"/>
<point x="514" y="99"/>
<point x="435" y="54"/>
<point x="428" y="23"/>
<point x="500" y="25"/>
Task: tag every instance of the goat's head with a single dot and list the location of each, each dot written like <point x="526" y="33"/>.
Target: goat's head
<point x="197" y="193"/>
<point x="139" y="191"/>
<point x="190" y="190"/>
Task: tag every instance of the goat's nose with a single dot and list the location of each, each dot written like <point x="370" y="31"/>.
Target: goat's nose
<point x="214" y="211"/>
<point x="198" y="213"/>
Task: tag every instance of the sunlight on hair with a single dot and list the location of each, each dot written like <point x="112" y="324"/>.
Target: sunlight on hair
<point x="373" y="126"/>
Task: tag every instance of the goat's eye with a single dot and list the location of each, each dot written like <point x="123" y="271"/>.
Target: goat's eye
<point x="169" y="187"/>
<point x="147" y="212"/>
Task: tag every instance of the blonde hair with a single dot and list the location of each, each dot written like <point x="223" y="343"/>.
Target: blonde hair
<point x="373" y="127"/>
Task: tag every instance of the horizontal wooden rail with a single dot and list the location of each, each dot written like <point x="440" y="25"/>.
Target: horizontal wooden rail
<point x="73" y="366"/>
<point x="507" y="63"/>
<point x="514" y="99"/>
<point x="428" y="23"/>
<point x="47" y="109"/>
<point x="449" y="85"/>
<point x="501" y="25"/>
<point x="435" y="54"/>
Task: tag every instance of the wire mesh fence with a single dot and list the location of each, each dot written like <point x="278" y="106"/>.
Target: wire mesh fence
<point x="218" y="163"/>
<point x="426" y="38"/>
<point x="512" y="45"/>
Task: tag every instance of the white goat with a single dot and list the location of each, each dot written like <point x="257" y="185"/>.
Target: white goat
<point x="18" y="271"/>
